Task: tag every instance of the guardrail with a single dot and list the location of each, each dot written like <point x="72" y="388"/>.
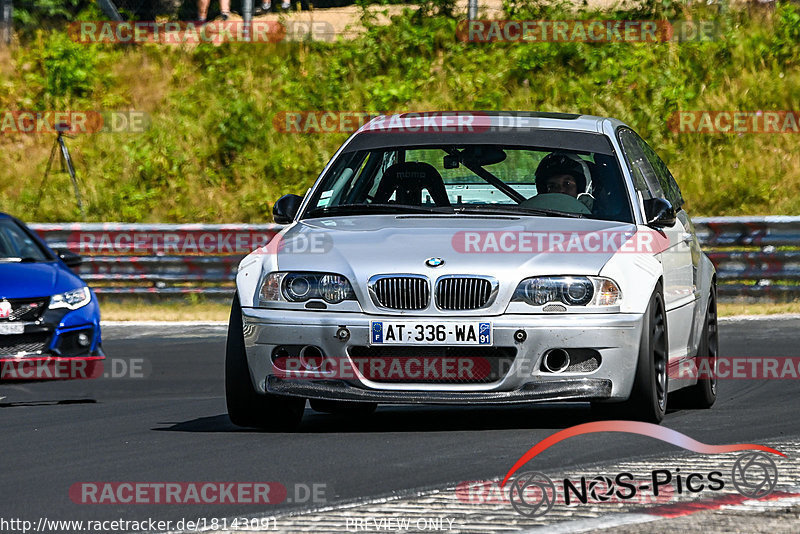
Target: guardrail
<point x="757" y="258"/>
<point x="158" y="259"/>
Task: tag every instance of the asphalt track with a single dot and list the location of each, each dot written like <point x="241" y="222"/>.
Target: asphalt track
<point x="168" y="424"/>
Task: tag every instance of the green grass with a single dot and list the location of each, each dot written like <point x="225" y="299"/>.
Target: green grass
<point x="728" y="309"/>
<point x="212" y="153"/>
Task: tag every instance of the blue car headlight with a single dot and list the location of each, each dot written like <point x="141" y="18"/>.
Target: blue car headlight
<point x="72" y="300"/>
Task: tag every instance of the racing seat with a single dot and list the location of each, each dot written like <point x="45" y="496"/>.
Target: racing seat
<point x="407" y="181"/>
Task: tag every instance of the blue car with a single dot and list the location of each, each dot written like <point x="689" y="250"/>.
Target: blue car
<point x="49" y="317"/>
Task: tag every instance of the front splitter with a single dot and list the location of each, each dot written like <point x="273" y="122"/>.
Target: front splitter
<point x="579" y="389"/>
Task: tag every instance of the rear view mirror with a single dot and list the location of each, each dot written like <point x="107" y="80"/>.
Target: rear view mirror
<point x="69" y="257"/>
<point x="482" y="155"/>
<point x="659" y="213"/>
<point x="472" y="156"/>
<point x="285" y="209"/>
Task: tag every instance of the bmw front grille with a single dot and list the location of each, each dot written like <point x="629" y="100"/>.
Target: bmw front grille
<point x="462" y="292"/>
<point x="412" y="292"/>
<point x="400" y="292"/>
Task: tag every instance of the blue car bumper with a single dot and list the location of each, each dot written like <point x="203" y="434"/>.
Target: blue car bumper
<point x="52" y="344"/>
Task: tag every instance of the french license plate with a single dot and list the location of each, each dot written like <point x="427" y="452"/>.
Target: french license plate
<point x="430" y="333"/>
<point x="11" y="328"/>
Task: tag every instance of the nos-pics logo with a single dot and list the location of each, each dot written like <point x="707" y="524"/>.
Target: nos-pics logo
<point x="533" y="494"/>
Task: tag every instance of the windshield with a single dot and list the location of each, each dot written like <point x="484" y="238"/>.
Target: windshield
<point x="17" y="246"/>
<point x="447" y="179"/>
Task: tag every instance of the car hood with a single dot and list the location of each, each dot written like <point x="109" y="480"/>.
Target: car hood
<point x="362" y="246"/>
<point x="23" y="280"/>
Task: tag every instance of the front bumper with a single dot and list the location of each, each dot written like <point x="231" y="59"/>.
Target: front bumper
<point x="58" y="344"/>
<point x="579" y="389"/>
<point x="614" y="336"/>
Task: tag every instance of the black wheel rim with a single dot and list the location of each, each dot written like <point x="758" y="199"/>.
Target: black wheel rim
<point x="713" y="342"/>
<point x="659" y="341"/>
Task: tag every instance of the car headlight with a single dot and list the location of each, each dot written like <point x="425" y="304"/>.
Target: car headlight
<point x="300" y="287"/>
<point x="72" y="300"/>
<point x="569" y="290"/>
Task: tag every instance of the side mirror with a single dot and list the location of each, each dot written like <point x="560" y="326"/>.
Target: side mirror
<point x="286" y="208"/>
<point x="69" y="257"/>
<point x="659" y="213"/>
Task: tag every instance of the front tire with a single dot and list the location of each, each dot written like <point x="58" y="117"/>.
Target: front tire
<point x="648" y="399"/>
<point x="247" y="407"/>
<point x="703" y="394"/>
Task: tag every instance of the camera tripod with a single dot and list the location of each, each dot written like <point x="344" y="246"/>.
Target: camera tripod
<point x="66" y="164"/>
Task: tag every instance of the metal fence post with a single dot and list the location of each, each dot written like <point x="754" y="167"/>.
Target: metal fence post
<point x="472" y="13"/>
<point x="247" y="15"/>
<point x="110" y="10"/>
<point x="6" y="20"/>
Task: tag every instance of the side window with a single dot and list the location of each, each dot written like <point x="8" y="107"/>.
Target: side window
<point x="645" y="178"/>
<point x="671" y="190"/>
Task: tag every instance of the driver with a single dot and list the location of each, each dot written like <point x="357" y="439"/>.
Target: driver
<point x="562" y="173"/>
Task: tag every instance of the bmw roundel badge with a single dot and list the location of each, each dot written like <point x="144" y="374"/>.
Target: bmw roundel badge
<point x="434" y="262"/>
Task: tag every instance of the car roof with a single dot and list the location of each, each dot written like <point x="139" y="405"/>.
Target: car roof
<point x="509" y="120"/>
